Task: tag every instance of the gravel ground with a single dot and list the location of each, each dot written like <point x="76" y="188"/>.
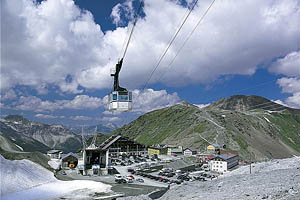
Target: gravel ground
<point x="130" y="189"/>
<point x="278" y="179"/>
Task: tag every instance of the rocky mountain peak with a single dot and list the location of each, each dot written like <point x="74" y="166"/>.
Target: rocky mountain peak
<point x="244" y="103"/>
<point x="16" y="118"/>
<point x="185" y="103"/>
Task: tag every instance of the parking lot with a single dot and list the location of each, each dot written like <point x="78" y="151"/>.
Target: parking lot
<point x="152" y="172"/>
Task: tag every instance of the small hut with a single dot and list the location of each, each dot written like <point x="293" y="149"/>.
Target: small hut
<point x="69" y="160"/>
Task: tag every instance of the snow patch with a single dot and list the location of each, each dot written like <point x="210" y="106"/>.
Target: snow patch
<point x="55" y="164"/>
<point x="23" y="179"/>
<point x="267" y="119"/>
<point x="19" y="147"/>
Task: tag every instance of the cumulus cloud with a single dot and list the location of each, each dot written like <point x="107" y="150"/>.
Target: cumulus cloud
<point x="81" y="118"/>
<point x="47" y="42"/>
<point x="55" y="42"/>
<point x="122" y="12"/>
<point x="148" y="100"/>
<point x="294" y="101"/>
<point x="79" y="102"/>
<point x="289" y="65"/>
<point x="106" y="112"/>
<point x="10" y="94"/>
<point x="291" y="86"/>
<point x="110" y="119"/>
<point x="44" y="116"/>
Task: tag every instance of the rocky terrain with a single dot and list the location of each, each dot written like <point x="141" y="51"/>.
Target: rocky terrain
<point x="256" y="127"/>
<point x="100" y="128"/>
<point x="35" y="136"/>
<point x="276" y="179"/>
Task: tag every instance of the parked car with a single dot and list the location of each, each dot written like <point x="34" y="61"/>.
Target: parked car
<point x="166" y="180"/>
<point x="129" y="180"/>
<point x="129" y="162"/>
<point x="131" y="176"/>
<point x="129" y="169"/>
<point x="120" y="179"/>
<point x="62" y="172"/>
<point x="140" y="180"/>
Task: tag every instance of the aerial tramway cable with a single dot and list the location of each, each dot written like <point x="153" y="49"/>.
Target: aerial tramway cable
<point x="131" y="32"/>
<point x="120" y="99"/>
<point x="169" y="45"/>
<point x="187" y="38"/>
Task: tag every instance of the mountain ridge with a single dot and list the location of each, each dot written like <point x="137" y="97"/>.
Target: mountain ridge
<point x="36" y="136"/>
<point x="260" y="133"/>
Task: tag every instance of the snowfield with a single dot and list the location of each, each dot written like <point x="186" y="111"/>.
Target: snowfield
<point x="23" y="179"/>
<point x="277" y="179"/>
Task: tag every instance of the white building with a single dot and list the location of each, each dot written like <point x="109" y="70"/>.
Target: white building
<point x="223" y="162"/>
<point x="189" y="152"/>
<point x="54" y="154"/>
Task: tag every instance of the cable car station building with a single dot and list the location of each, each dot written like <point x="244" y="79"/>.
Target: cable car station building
<point x="96" y="158"/>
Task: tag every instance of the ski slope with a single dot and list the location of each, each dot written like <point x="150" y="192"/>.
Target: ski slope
<point x="23" y="179"/>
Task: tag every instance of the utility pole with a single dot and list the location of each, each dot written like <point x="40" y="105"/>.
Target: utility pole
<point x="250" y="163"/>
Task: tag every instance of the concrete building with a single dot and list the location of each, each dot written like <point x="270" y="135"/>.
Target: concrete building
<point x="189" y="152"/>
<point x="213" y="148"/>
<point x="96" y="158"/>
<point x="177" y="151"/>
<point x="222" y="163"/>
<point x="159" y="150"/>
<point x="54" y="154"/>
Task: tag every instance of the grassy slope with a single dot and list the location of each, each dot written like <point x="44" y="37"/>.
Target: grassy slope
<point x="246" y="132"/>
<point x="154" y="127"/>
<point x="289" y="128"/>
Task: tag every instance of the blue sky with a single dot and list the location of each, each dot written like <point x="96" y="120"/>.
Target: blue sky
<point x="56" y="56"/>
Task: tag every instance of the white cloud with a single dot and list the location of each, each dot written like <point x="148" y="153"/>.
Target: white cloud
<point x="147" y="100"/>
<point x="10" y="94"/>
<point x="44" y="116"/>
<point x="122" y="12"/>
<point x="289" y="85"/>
<point x="81" y="102"/>
<point x="150" y="99"/>
<point x="292" y="86"/>
<point x="81" y="118"/>
<point x="294" y="101"/>
<point x="289" y="65"/>
<point x="110" y="119"/>
<point x="47" y="43"/>
<point x="106" y="112"/>
<point x="36" y="104"/>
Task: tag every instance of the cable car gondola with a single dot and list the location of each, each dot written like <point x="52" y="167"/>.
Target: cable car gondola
<point x="119" y="99"/>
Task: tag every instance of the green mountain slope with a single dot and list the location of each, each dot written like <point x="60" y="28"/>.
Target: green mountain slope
<point x="252" y="125"/>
